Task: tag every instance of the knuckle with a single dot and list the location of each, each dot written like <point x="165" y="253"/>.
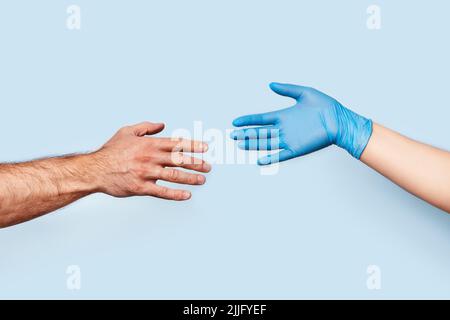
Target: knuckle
<point x="163" y="192"/>
<point x="174" y="174"/>
<point x="139" y="171"/>
<point x="177" y="158"/>
<point x="124" y="129"/>
<point x="136" y="189"/>
<point x="174" y="147"/>
<point x="157" y="142"/>
<point x="153" y="172"/>
<point x="178" y="144"/>
<point x="151" y="143"/>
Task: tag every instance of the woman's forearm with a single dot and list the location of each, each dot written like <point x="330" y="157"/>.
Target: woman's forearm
<point x="416" y="167"/>
<point x="317" y="120"/>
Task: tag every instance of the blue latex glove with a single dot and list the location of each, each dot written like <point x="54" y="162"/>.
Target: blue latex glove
<point x="314" y="122"/>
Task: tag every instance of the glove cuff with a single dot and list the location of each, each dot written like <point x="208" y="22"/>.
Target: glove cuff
<point x="354" y="132"/>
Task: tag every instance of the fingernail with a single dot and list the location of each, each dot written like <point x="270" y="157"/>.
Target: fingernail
<point x="204" y="147"/>
<point x="201" y="179"/>
<point x="186" y="195"/>
<point x="207" y="166"/>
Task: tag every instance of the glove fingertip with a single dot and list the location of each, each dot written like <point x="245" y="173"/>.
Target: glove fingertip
<point x="239" y="122"/>
<point x="264" y="161"/>
<point x="275" y="85"/>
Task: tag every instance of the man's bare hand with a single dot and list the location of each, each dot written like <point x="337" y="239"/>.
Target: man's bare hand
<point x="131" y="163"/>
<point x="127" y="165"/>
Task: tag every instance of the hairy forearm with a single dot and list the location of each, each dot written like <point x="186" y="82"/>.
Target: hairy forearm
<point x="31" y="189"/>
<point x="129" y="164"/>
<point x="416" y="167"/>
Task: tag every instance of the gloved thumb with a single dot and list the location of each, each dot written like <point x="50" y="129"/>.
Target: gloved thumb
<point x="287" y="90"/>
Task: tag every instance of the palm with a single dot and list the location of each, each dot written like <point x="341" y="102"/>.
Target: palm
<point x="306" y="127"/>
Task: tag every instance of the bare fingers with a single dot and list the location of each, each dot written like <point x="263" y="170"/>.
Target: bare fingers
<point x="168" y="193"/>
<point x="178" y="176"/>
<point x="178" y="159"/>
<point x="182" y="145"/>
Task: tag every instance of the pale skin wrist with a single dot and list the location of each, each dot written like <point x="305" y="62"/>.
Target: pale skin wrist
<point x="419" y="168"/>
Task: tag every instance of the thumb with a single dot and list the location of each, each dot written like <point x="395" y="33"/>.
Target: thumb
<point x="288" y="90"/>
<point x="147" y="128"/>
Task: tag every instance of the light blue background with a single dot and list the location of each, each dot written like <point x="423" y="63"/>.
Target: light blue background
<point x="309" y="231"/>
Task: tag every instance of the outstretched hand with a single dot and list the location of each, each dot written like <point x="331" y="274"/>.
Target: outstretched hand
<point x="131" y="163"/>
<point x="314" y="122"/>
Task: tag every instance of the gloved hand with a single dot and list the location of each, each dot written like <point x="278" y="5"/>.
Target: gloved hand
<point x="314" y="122"/>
